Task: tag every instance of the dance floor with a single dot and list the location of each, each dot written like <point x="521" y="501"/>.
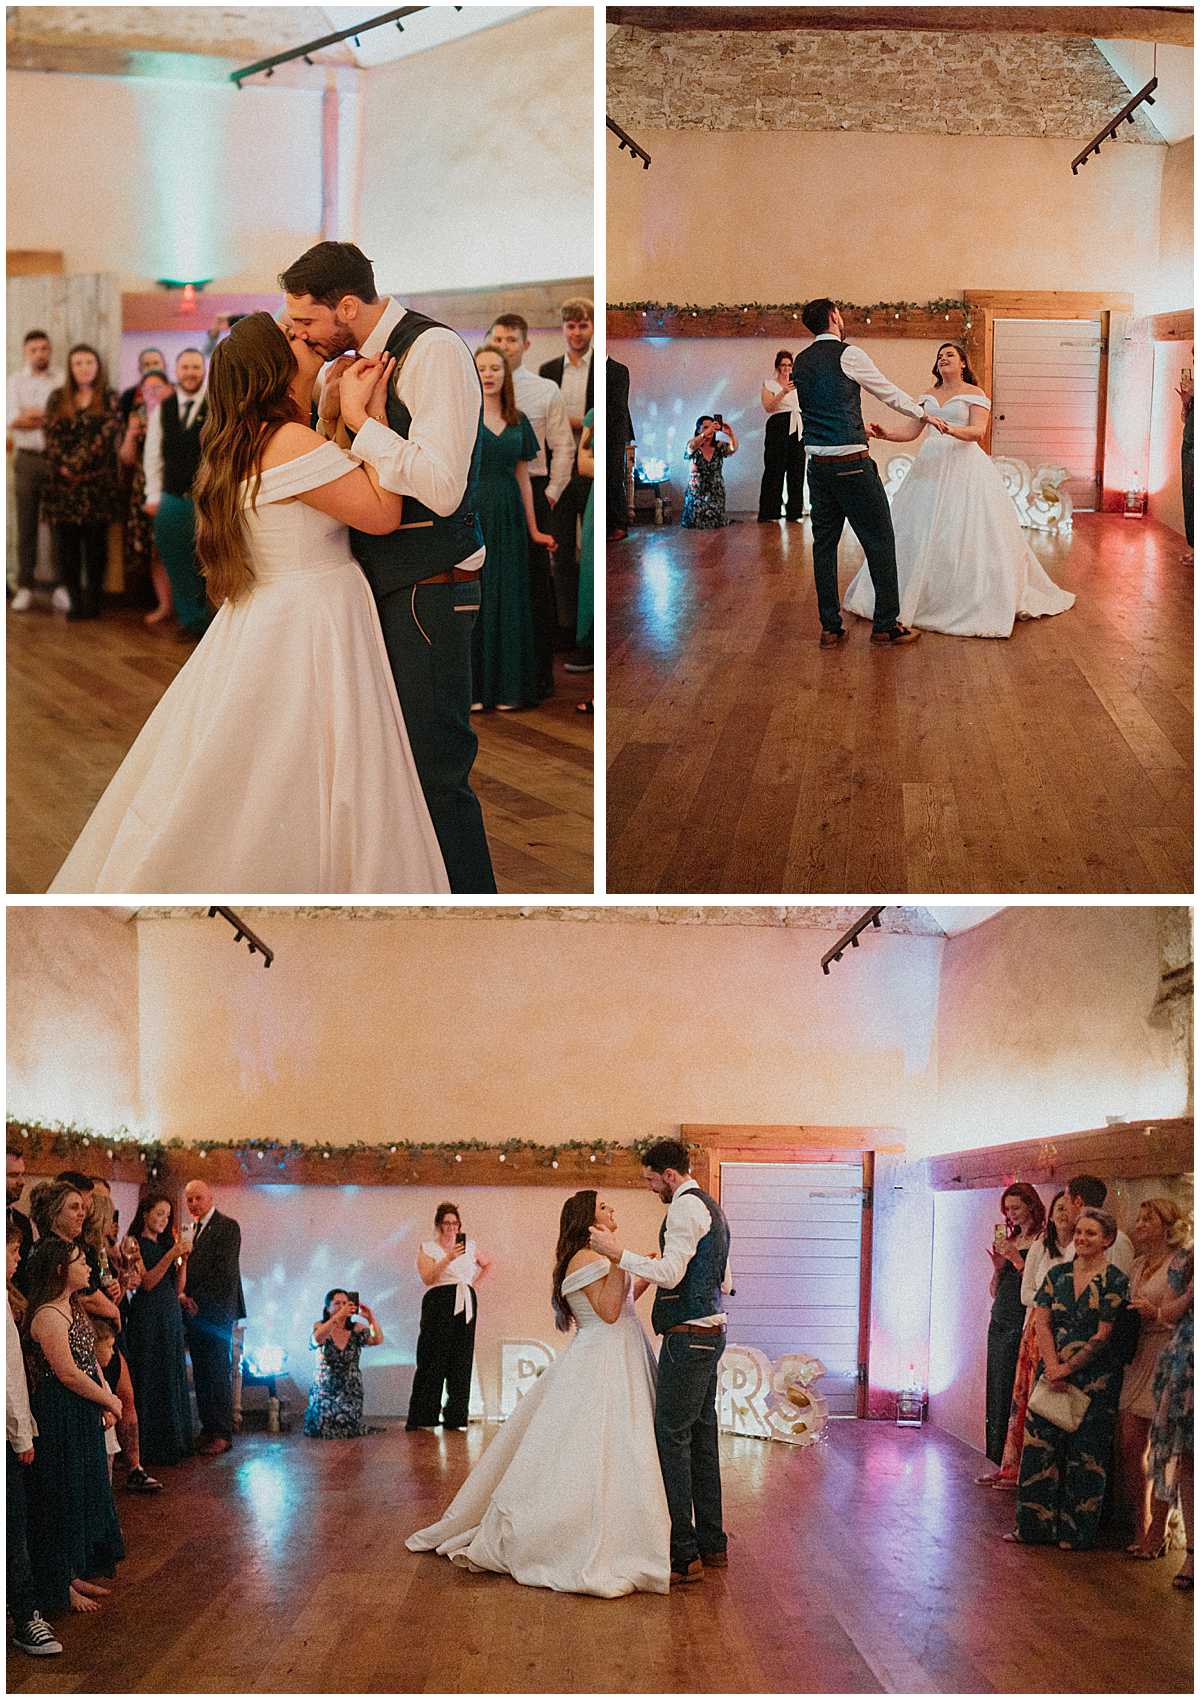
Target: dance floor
<point x="870" y="1563"/>
<point x="743" y="758"/>
<point x="78" y="695"/>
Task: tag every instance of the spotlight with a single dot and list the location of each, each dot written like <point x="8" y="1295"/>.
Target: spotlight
<point x="241" y="931"/>
<point x="870" y="919"/>
<point x="264" y="1362"/>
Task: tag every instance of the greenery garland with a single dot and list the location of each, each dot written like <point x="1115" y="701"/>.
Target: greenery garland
<point x="945" y="304"/>
<point x="68" y="1139"/>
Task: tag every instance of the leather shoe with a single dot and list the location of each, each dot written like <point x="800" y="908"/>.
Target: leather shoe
<point x="897" y="634"/>
<point x="830" y="640"/>
<point x="715" y="1560"/>
<point x="215" y="1447"/>
<point x="693" y="1572"/>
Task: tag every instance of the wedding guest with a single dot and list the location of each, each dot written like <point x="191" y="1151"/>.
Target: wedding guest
<point x="81" y="497"/>
<point x="540" y="400"/>
<point x="141" y="556"/>
<point x="1052" y="1246"/>
<point x="335" y="1399"/>
<point x="14" y="1186"/>
<point x="155" y="1336"/>
<point x="619" y="451"/>
<point x="213" y="1302"/>
<point x="504" y="655"/>
<point x="1161" y="1228"/>
<point x="98" y="1240"/>
<point x="149" y="360"/>
<point x="108" y="1363"/>
<point x="1088" y="1192"/>
<point x="581" y="660"/>
<point x="1064" y="1474"/>
<point x="1171" y="1427"/>
<point x="704" y="499"/>
<point x="29" y="390"/>
<point x="451" y="1266"/>
<point x="74" y="1535"/>
<point x="31" y="1633"/>
<point x="1187" y="454"/>
<point x="572" y="372"/>
<point x="783" y="449"/>
<point x="171" y="460"/>
<point x="1024" y="1218"/>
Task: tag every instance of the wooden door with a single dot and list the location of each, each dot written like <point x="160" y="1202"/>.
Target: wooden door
<point x="1046" y="398"/>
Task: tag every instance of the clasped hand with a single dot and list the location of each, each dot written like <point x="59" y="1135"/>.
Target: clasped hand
<point x="356" y="389"/>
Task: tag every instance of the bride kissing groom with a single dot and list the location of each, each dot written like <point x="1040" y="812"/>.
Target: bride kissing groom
<point x="606" y="1479"/>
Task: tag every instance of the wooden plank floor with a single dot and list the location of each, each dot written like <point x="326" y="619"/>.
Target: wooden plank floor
<point x="870" y="1563"/>
<point x="78" y="695"/>
<point x="743" y="758"/>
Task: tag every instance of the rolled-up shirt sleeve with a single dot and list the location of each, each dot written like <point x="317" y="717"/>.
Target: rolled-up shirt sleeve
<point x="687" y="1223"/>
<point x="440" y="388"/>
<point x="152" y="456"/>
<point x="862" y="369"/>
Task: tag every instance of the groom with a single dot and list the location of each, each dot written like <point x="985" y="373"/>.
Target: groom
<point x="690" y="1272"/>
<point x="843" y="483"/>
<point x="425" y="575"/>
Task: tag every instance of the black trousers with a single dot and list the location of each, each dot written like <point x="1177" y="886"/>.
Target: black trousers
<point x="616" y="499"/>
<point x="541" y="590"/>
<point x="445" y="1353"/>
<point x="30" y="472"/>
<point x="80" y="557"/>
<point x="783" y="460"/>
<point x="210" y="1343"/>
<point x="568" y="513"/>
<point x="852" y="490"/>
<point x="685" y="1429"/>
<point x="18" y="1573"/>
<point x="1003" y="1349"/>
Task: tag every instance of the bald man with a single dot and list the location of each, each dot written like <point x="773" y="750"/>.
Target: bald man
<point x="213" y="1303"/>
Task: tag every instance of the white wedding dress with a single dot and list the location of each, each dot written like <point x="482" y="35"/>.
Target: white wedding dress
<point x="962" y="561"/>
<point x="569" y="1494"/>
<point x="278" y="759"/>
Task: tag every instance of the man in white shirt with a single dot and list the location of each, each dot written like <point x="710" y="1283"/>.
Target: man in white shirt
<point x="690" y="1273"/>
<point x="171" y="460"/>
<point x="540" y="400"/>
<point x="572" y="372"/>
<point x="424" y="575"/>
<point x="28" y="391"/>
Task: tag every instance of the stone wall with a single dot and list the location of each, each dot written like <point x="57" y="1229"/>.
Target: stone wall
<point x="915" y="81"/>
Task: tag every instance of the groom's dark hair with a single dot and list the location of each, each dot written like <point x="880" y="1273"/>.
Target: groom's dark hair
<point x="329" y="271"/>
<point x="817" y="314"/>
<point x="667" y="1154"/>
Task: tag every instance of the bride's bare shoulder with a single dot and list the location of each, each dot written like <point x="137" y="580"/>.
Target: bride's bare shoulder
<point x="582" y="1258"/>
<point x="289" y="443"/>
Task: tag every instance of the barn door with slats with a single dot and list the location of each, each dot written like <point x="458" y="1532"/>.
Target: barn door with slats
<point x="1046" y="398"/>
<point x="796" y="1232"/>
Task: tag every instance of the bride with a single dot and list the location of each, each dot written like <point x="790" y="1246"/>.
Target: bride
<point x="963" y="563"/>
<point x="278" y="760"/>
<point x="569" y="1494"/>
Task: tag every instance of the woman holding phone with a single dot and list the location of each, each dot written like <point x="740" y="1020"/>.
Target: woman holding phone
<point x="1024" y="1216"/>
<point x="335" y="1399"/>
<point x="451" y="1266"/>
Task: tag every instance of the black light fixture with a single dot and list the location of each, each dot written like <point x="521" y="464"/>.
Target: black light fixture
<point x="267" y="66"/>
<point x="1109" y="132"/>
<point x="625" y="140"/>
<point x="869" y="919"/>
<point x="241" y="931"/>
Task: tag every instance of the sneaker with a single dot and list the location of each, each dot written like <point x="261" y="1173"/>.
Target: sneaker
<point x="579" y="661"/>
<point x="21" y="601"/>
<point x="37" y="1638"/>
<point x="137" y="1481"/>
<point x="61" y="599"/>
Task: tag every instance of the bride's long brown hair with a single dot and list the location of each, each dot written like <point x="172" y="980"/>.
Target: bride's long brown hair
<point x="248" y="401"/>
<point x="578" y="1215"/>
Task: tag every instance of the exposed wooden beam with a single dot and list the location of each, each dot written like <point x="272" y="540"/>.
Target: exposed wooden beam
<point x="34" y="262"/>
<point x="1131" y="1151"/>
<point x="1170" y="24"/>
<point x="1170" y="327"/>
<point x="804" y="1141"/>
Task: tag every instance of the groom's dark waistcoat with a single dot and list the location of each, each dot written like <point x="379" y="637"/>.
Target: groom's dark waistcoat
<point x="699" y="1290"/>
<point x="180" y="448"/>
<point x="426" y="543"/>
<point x="830" y="402"/>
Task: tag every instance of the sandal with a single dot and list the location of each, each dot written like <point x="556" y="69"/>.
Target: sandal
<point x="588" y="707"/>
<point x="1136" y="1551"/>
<point x="992" y="1480"/>
<point x="1184" y="1580"/>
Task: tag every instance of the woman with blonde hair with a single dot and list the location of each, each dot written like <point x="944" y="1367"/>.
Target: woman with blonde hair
<point x="278" y="760"/>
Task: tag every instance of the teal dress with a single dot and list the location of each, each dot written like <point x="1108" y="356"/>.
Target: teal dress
<point x="503" y="660"/>
<point x="585" y="622"/>
<point x="1064" y="1476"/>
<point x="1171" y="1428"/>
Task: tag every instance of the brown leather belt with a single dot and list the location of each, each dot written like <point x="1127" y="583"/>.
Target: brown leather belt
<point x="697" y="1328"/>
<point x="456" y="575"/>
<point x="836" y="460"/>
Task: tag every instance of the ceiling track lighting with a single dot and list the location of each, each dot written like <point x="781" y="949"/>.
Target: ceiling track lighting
<point x="626" y="141"/>
<point x="1109" y="132"/>
<point x="241" y="931"/>
<point x="266" y="67"/>
<point x="869" y="919"/>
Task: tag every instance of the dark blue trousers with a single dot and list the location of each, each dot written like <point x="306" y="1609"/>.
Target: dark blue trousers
<point x="685" y="1428"/>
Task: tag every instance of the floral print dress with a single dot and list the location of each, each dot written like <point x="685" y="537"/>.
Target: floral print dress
<point x="704" y="499"/>
<point x="1171" y="1428"/>
<point x="84" y="486"/>
<point x="335" y="1399"/>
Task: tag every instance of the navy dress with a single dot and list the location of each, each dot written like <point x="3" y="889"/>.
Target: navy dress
<point x="154" y="1348"/>
<point x="73" y="1527"/>
<point x="504" y="661"/>
<point x="335" y="1399"/>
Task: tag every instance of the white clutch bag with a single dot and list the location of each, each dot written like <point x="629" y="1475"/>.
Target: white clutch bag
<point x="1065" y="1406"/>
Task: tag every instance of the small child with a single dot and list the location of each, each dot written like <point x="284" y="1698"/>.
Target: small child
<point x="106" y="1347"/>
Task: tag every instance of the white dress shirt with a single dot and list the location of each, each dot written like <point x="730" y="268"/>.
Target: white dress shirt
<point x="21" y="1427"/>
<point x="152" y="449"/>
<point x="791" y="406"/>
<point x="439" y="386"/>
<point x="574" y="384"/>
<point x="688" y="1221"/>
<point x="28" y="388"/>
<point x="541" y="401"/>
<point x="862" y="370"/>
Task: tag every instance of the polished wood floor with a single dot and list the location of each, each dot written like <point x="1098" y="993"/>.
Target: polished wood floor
<point x="870" y="1563"/>
<point x="743" y="758"/>
<point x="79" y="694"/>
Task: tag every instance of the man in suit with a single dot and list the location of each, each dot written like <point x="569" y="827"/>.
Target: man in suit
<point x="621" y="436"/>
<point x="212" y="1303"/>
<point x="171" y="460"/>
<point x="572" y="372"/>
<point x="690" y="1273"/>
<point x="14" y="1186"/>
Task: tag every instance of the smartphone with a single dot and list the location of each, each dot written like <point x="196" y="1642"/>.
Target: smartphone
<point x="353" y="1297"/>
<point x="460" y="1239"/>
<point x="1000" y="1236"/>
